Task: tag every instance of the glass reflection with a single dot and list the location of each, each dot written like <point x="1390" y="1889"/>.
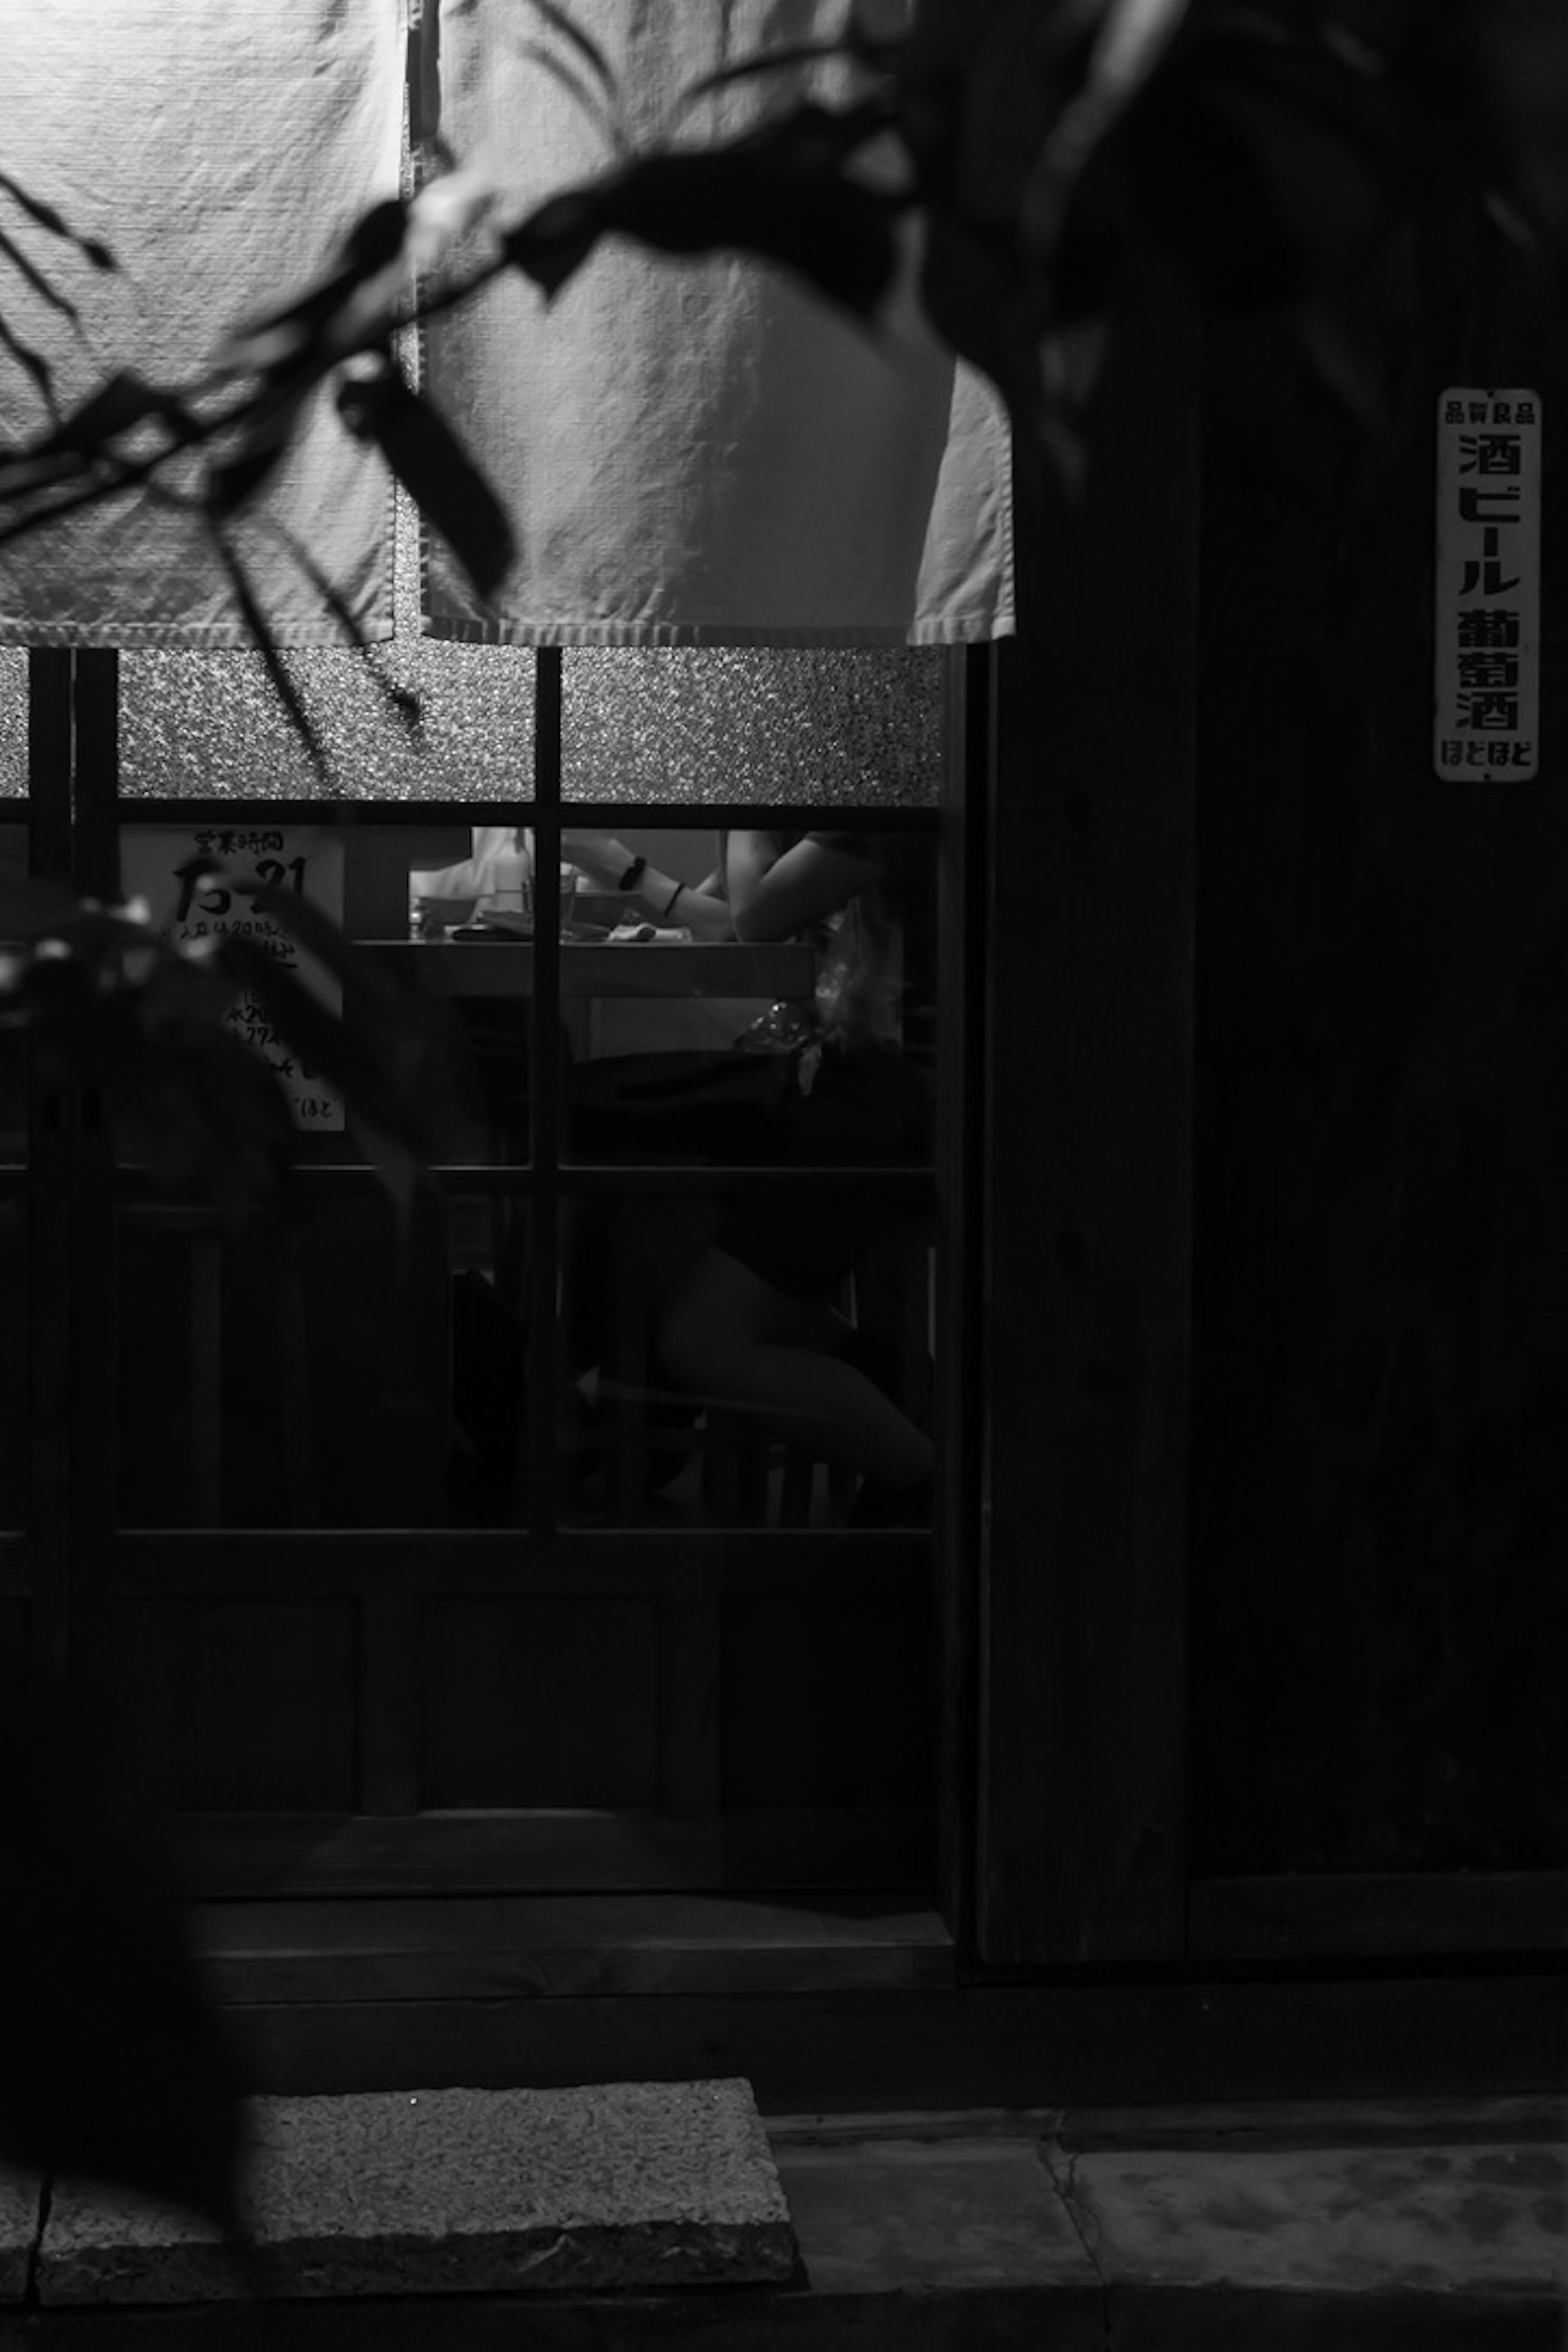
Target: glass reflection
<point x="648" y="1446"/>
<point x="789" y="1024"/>
<point x="336" y="1371"/>
<point x="740" y="1300"/>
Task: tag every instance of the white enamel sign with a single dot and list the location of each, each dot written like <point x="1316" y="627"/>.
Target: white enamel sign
<point x="1487" y="619"/>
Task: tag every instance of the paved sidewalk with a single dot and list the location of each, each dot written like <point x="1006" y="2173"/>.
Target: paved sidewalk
<point x="1384" y="2226"/>
<point x="1341" y="2225"/>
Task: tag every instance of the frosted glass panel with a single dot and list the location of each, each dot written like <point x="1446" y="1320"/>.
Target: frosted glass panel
<point x="708" y="724"/>
<point x="209" y="725"/>
<point x="199" y="726"/>
<point x="12" y="722"/>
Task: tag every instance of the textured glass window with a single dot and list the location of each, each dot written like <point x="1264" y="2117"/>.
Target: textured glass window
<point x="198" y="726"/>
<point x="12" y="722"/>
<point x="705" y="724"/>
<point x="209" y="725"/>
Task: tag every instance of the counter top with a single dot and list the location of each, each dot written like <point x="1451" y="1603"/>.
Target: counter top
<point x="600" y="968"/>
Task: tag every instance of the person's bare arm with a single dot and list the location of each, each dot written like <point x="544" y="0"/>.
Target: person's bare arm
<point x="697" y="907"/>
<point x="775" y="892"/>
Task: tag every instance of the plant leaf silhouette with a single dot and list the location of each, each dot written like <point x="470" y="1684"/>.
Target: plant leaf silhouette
<point x="48" y="217"/>
<point x="309" y="334"/>
<point x="202" y="1112"/>
<point x="553" y="243"/>
<point x="561" y="20"/>
<point x="31" y="908"/>
<point x="32" y="363"/>
<point x="590" y="99"/>
<point x="779" y="192"/>
<point x="400" y="701"/>
<point x="283" y="686"/>
<point x="121" y="402"/>
<point x="764" y="61"/>
<point x="434" y="469"/>
<point x="1268" y="165"/>
<point x="41" y="284"/>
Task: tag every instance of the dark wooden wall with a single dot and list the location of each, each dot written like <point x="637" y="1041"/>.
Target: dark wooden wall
<point x="1082" y="1291"/>
<point x="1379" y="1607"/>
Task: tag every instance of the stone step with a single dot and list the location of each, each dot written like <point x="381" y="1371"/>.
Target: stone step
<point x="623" y="2186"/>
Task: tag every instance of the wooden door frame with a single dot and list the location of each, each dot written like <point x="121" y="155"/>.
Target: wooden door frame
<point x="35" y="1569"/>
<point x="356" y="1855"/>
<point x="1089" y="1175"/>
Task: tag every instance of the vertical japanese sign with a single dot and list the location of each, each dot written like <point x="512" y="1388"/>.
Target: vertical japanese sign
<point x="1487" y="641"/>
<point x="188" y="908"/>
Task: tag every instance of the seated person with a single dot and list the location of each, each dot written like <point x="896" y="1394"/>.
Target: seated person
<point x="502" y="857"/>
<point x="753" y="1322"/>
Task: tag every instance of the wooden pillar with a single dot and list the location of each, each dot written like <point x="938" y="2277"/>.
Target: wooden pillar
<point x="1085" y="1329"/>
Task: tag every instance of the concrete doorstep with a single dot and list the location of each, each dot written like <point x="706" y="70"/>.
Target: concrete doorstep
<point x="629" y="2185"/>
<point x="965" y="2229"/>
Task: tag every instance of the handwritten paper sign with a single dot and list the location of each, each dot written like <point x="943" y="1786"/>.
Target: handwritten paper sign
<point x="1488" y="643"/>
<point x="184" y="907"/>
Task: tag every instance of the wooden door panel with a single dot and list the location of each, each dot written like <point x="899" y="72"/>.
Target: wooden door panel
<point x="828" y="1694"/>
<point x="270" y="1380"/>
<point x="539" y="1700"/>
<point x="14" y="1403"/>
<point x="760" y="1721"/>
<point x="242" y="1705"/>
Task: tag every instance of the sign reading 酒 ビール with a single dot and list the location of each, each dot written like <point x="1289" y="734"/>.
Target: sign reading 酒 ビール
<point x="1487" y="632"/>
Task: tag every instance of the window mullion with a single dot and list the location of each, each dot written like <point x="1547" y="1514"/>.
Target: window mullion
<point x="545" y="1103"/>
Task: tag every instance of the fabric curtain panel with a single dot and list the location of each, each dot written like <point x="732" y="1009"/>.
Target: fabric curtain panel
<point x="223" y="152"/>
<point x="694" y="451"/>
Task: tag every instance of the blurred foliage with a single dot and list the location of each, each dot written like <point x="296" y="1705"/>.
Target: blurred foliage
<point x="114" y="1007"/>
<point x="113" y="2068"/>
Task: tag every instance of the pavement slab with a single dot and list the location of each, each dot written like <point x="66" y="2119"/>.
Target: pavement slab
<point x="1415" y="2220"/>
<point x="20" y="2199"/>
<point x="617" y="2187"/>
<point x="958" y="2214"/>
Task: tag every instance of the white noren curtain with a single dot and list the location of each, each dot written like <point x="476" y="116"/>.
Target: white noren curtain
<point x="698" y="451"/>
<point x="222" y="149"/>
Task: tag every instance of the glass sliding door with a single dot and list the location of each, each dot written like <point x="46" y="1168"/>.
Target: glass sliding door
<point x="18" y="1552"/>
<point x="36" y="1307"/>
<point x="420" y="1554"/>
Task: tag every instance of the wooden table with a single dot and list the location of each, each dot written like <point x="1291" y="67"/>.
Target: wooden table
<point x="727" y="968"/>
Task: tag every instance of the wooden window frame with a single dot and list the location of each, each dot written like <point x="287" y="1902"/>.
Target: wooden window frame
<point x="77" y="840"/>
